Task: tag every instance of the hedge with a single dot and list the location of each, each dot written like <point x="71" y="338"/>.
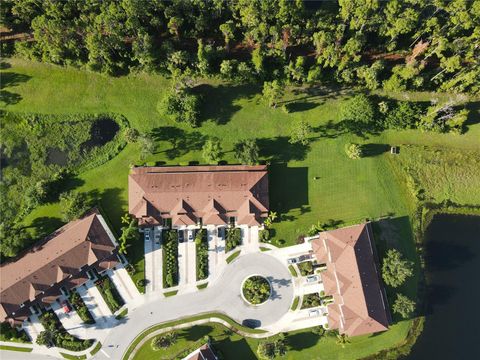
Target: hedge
<point x="109" y="293"/>
<point x="170" y="259"/>
<point x="201" y="243"/>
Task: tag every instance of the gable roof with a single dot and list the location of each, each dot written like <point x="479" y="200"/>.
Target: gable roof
<point x="80" y="243"/>
<point x="351" y="277"/>
<point x="212" y="193"/>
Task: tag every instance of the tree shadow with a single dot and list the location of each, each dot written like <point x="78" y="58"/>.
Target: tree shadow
<point x="181" y="141"/>
<point x="371" y="150"/>
<point x="288" y="187"/>
<point x="474" y="114"/>
<point x="4" y="65"/>
<point x="45" y="225"/>
<point x="278" y="149"/>
<point x="445" y="256"/>
<point x="302" y="341"/>
<point x="196" y="333"/>
<point x="11" y="79"/>
<point x="219" y="101"/>
<point x="299" y="106"/>
<point x="330" y="130"/>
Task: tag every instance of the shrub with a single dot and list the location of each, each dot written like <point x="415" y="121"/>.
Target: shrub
<point x="246" y="151"/>
<point x="311" y="300"/>
<point x="233" y="239"/>
<point x="404" y="115"/>
<point x="354" y="151"/>
<point x="109" y="293"/>
<point x="80" y="308"/>
<point x="170" y="258"/>
<point x="395" y="270"/>
<point x="164" y="341"/>
<point x="403" y="306"/>
<point x="306" y="268"/>
<point x="201" y="243"/>
<point x="73" y="205"/>
<point x="256" y="290"/>
<point x="358" y="109"/>
<point x="264" y="235"/>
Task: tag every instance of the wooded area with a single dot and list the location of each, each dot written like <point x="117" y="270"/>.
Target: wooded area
<point x="395" y="45"/>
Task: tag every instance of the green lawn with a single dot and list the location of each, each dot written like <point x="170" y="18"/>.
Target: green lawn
<point x="15" y="348"/>
<point x="307" y="184"/>
<point x="301" y="344"/>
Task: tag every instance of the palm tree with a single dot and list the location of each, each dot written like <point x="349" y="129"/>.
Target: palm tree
<point x="342" y="339"/>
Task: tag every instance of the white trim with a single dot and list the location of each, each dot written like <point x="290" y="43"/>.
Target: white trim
<point x="107" y="229"/>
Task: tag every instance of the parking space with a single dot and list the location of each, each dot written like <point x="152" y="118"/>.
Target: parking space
<point x="69" y="318"/>
<point x="96" y="305"/>
<point x="33" y="327"/>
<point x="187" y="262"/>
<point x="124" y="284"/>
<point x="216" y="251"/>
<point x="153" y="260"/>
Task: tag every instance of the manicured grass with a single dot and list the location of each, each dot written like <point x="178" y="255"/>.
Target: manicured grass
<point x="233" y="257"/>
<point x="347" y="191"/>
<point x="202" y="286"/>
<point x="264" y="249"/>
<point x="292" y="270"/>
<point x="15" y="348"/>
<point x="73" y="357"/>
<point x="122" y="314"/>
<point x="96" y="348"/>
<point x="295" y="303"/>
<point x="182" y="321"/>
<point x="170" y="293"/>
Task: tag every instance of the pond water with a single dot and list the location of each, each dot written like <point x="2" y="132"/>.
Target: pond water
<point x="103" y="130"/>
<point x="453" y="271"/>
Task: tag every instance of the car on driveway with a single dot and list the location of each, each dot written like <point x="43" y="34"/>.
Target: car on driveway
<point x="313" y="313"/>
<point x="65" y="307"/>
<point x="146" y="234"/>
<point x="292" y="261"/>
<point x="190" y="235"/>
<point x="312" y="279"/>
<point x="181" y="235"/>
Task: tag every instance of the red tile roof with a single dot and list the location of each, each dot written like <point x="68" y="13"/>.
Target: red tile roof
<point x="57" y="260"/>
<point x="351" y="276"/>
<point x="187" y="193"/>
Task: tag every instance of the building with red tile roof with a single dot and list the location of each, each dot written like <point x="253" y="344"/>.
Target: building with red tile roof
<point x="189" y="195"/>
<point x="61" y="261"/>
<point x="204" y="352"/>
<point x="351" y="277"/>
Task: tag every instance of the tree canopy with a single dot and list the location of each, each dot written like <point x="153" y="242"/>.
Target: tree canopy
<point x="393" y="44"/>
<point x="395" y="269"/>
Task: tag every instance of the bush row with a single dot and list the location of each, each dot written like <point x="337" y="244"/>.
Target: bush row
<point x="170" y="259"/>
<point x="201" y="243"/>
<point x="80" y="307"/>
<point x="109" y="293"/>
<point x="233" y="239"/>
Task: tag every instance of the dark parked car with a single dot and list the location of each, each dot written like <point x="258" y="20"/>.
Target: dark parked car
<point x="251" y="323"/>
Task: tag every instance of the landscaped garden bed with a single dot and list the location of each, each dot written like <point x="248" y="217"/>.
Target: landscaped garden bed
<point x="306" y="268"/>
<point x="56" y="334"/>
<point x="233" y="238"/>
<point x="8" y="333"/>
<point x="80" y="307"/>
<point x="201" y="244"/>
<point x="109" y="293"/>
<point x="256" y="290"/>
<point x="170" y="259"/>
<point x="311" y="300"/>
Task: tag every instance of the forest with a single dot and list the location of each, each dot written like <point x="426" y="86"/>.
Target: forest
<point x="396" y="45"/>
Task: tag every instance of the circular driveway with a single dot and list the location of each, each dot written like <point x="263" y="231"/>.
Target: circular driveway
<point x="224" y="296"/>
<point x="228" y="289"/>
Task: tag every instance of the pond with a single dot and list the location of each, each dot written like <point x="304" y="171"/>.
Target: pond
<point x="453" y="272"/>
<point x="102" y="131"/>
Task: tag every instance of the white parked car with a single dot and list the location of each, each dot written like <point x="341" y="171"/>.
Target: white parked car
<point x="292" y="261"/>
<point x="313" y="313"/>
<point x="147" y="234"/>
<point x="312" y="279"/>
<point x="190" y="235"/>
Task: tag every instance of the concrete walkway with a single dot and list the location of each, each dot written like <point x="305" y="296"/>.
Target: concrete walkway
<point x="153" y="264"/>
<point x="96" y="305"/>
<point x="33" y="327"/>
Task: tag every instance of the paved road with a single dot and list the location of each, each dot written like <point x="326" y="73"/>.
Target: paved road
<point x="224" y="296"/>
